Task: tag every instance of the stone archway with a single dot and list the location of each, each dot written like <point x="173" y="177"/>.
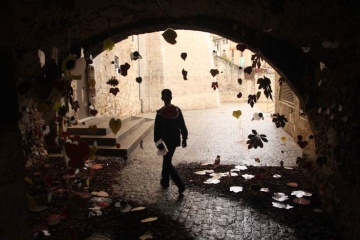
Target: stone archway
<point x="277" y="29"/>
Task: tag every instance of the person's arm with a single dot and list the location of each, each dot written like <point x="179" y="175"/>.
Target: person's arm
<point x="183" y="129"/>
<point x="158" y="128"/>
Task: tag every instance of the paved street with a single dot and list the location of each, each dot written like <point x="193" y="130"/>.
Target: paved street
<point x="211" y="132"/>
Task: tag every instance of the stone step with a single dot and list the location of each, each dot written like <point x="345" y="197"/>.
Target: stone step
<point x="111" y="139"/>
<point x="102" y="123"/>
<point x="128" y="143"/>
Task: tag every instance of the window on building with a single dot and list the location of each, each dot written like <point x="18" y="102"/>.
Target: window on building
<point x="232" y="53"/>
<point x="226" y="41"/>
<point x="286" y="94"/>
<point x="241" y="54"/>
<point x="223" y="41"/>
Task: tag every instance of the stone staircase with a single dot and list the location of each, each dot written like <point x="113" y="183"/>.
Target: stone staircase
<point x="132" y="131"/>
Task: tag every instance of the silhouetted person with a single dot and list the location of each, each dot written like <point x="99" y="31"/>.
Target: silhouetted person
<point x="170" y="127"/>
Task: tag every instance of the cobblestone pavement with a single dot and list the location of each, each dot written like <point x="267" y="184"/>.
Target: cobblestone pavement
<point x="211" y="132"/>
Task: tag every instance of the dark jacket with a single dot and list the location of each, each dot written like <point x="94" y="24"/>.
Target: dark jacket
<point x="169" y="125"/>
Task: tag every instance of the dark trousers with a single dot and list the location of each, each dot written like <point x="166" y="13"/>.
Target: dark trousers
<point x="168" y="169"/>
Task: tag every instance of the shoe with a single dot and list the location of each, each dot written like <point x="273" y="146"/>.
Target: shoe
<point x="164" y="184"/>
<point x="181" y="189"/>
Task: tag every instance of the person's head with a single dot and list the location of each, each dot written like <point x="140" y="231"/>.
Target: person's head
<point x="166" y="95"/>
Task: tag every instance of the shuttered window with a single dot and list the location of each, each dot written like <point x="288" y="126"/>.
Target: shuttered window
<point x="286" y="94"/>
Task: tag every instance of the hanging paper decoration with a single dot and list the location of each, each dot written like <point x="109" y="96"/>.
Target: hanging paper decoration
<point x="183" y="55"/>
<point x="241" y="47"/>
<point x="252" y="100"/>
<point x="108" y="44"/>
<point x="214" y="72"/>
<point x="124" y="68"/>
<point x="256" y="140"/>
<point x="135" y="55"/>
<point x="115" y="125"/>
<point x="184" y="73"/>
<point x="170" y="35"/>
<point x="237" y="113"/>
<point x="214" y="85"/>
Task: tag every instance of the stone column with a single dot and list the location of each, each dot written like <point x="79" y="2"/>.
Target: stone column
<point x="13" y="222"/>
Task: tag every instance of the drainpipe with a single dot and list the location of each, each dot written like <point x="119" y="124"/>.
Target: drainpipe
<point x="141" y="100"/>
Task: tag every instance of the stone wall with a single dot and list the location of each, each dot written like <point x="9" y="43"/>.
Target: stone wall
<point x="126" y="102"/>
<point x="164" y="70"/>
<point x="298" y="124"/>
<point x="229" y="74"/>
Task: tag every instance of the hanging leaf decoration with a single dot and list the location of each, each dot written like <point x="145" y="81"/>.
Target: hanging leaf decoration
<point x="252" y="100"/>
<point x="279" y="120"/>
<point x="115" y="125"/>
<point x="258" y="94"/>
<point x="255" y="188"/>
<point x="135" y="55"/>
<point x="281" y="80"/>
<point x="241" y="47"/>
<point x="300" y="141"/>
<point x="108" y="44"/>
<point x="214" y="85"/>
<point x="24" y="87"/>
<point x="113" y="82"/>
<point x="93" y="112"/>
<point x="124" y="68"/>
<point x="114" y="91"/>
<point x="184" y="73"/>
<point x="170" y="36"/>
<point x="265" y="83"/>
<point x="239" y="81"/>
<point x="214" y="72"/>
<point x="256" y="60"/>
<point x="256" y="140"/>
<point x="237" y="113"/>
<point x="183" y="55"/>
<point x="248" y="70"/>
<point x="92" y="129"/>
<point x="77" y="153"/>
<point x="239" y="95"/>
<point x="138" y="80"/>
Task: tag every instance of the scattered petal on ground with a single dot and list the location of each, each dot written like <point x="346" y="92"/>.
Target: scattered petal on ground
<point x="292" y="184"/>
<point x="203" y="172"/>
<point x="241" y="167"/>
<point x="236" y="189"/>
<point x="301" y="201"/>
<point x="248" y="176"/>
<point x="281" y="205"/>
<point x="277" y="176"/>
<point x="209" y="171"/>
<point x="206" y="164"/>
<point x="300" y="194"/>
<point x="145" y="236"/>
<point x="138" y="209"/>
<point x="232" y="174"/>
<point x="318" y="210"/>
<point x="288" y="168"/>
<point x="100" y="194"/>
<point x="264" y="190"/>
<point x="278" y="196"/>
<point x="212" y="181"/>
<point x="235" y="170"/>
<point x="150" y="219"/>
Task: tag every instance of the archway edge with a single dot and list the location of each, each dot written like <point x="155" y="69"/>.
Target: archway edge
<point x="287" y="59"/>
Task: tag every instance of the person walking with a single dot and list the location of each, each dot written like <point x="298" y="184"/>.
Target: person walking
<point x="170" y="127"/>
